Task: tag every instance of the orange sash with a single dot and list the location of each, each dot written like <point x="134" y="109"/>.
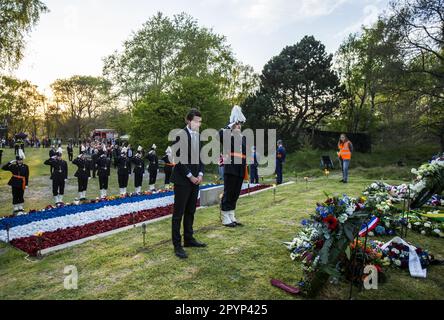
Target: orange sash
<point x="23" y="180"/>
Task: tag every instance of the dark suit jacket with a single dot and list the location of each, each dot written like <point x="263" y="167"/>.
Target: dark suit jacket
<point x="181" y="170"/>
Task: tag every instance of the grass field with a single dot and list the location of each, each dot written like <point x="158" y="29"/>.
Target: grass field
<point x="238" y="263"/>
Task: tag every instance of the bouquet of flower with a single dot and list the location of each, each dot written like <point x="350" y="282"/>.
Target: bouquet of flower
<point x="323" y="240"/>
<point x="397" y="254"/>
<point x="429" y="181"/>
<point x="426" y="227"/>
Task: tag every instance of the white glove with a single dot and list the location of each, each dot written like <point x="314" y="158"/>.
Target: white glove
<point x="231" y="125"/>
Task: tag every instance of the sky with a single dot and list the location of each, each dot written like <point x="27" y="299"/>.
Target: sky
<point x="75" y="36"/>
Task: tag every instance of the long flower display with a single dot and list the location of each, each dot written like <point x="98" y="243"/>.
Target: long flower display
<point x="54" y="226"/>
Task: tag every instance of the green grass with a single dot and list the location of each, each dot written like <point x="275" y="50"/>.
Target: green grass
<point x="237" y="264"/>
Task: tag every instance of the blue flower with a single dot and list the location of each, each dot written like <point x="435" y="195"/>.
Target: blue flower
<point x="380" y="230"/>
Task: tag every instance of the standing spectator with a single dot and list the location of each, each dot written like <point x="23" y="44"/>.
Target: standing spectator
<point x="254" y="175"/>
<point x="70" y="151"/>
<point x="345" y="152"/>
<point x="280" y="160"/>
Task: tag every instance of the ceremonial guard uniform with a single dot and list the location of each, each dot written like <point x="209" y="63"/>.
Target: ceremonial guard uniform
<point x="82" y="174"/>
<point x="18" y="182"/>
<point x="153" y="166"/>
<point x="139" y="170"/>
<point x="103" y="166"/>
<point x="123" y="172"/>
<point x="254" y="173"/>
<point x="58" y="176"/>
<point x="52" y="154"/>
<point x="235" y="167"/>
<point x="168" y="166"/>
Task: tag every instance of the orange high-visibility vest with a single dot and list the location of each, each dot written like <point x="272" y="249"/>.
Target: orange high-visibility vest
<point x="344" y="151"/>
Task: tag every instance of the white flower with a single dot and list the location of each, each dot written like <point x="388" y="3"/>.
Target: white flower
<point x="398" y="262"/>
<point x="423" y="232"/>
<point x="427" y="225"/>
<point x="437" y="231"/>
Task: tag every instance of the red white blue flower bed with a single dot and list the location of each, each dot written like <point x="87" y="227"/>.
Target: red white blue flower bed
<point x="51" y="227"/>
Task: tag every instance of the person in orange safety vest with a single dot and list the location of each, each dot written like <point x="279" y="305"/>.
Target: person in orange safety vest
<point x="345" y="154"/>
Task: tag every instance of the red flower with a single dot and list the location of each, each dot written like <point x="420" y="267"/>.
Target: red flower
<point x="331" y="222"/>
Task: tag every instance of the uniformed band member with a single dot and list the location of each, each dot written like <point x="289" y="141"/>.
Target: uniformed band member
<point x="168" y="166"/>
<point x="280" y="160"/>
<point x="18" y="182"/>
<point x="139" y="170"/>
<point x="187" y="176"/>
<point x="82" y="174"/>
<point x="153" y="166"/>
<point x="235" y="166"/>
<point x="59" y="175"/>
<point x="123" y="172"/>
<point x="103" y="165"/>
<point x="52" y="153"/>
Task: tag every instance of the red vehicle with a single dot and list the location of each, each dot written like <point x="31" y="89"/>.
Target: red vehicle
<point x="104" y="134"/>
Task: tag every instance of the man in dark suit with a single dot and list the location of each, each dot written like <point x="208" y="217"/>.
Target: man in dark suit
<point x="187" y="176"/>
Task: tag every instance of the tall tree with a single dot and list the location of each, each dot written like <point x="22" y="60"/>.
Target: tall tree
<point x="419" y="24"/>
<point x="17" y="18"/>
<point x="366" y="62"/>
<point x="301" y="87"/>
<point x="20" y="105"/>
<point x="164" y="51"/>
<point x="83" y="98"/>
<point x="159" y="112"/>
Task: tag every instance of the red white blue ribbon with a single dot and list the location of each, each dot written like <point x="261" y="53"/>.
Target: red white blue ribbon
<point x="367" y="227"/>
